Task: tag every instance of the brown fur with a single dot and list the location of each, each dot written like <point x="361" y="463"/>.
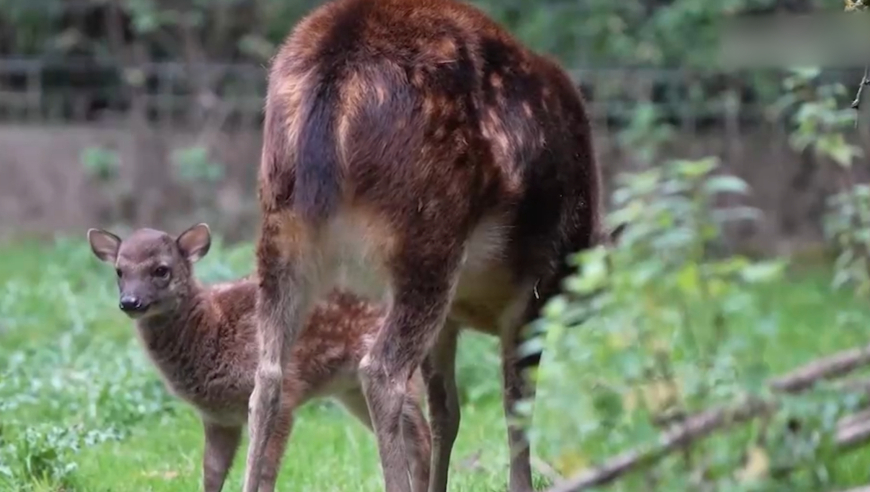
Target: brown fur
<point x="415" y="151"/>
<point x="203" y="341"/>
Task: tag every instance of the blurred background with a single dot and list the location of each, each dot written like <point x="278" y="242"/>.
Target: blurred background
<point x="147" y="112"/>
<point x="121" y="114"/>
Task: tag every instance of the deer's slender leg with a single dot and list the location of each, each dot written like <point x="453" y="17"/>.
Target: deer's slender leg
<point x="422" y="284"/>
<point x="415" y="430"/>
<point x="221" y="443"/>
<point x="517" y="384"/>
<point x="439" y="371"/>
<point x="418" y="441"/>
<point x="515" y="390"/>
<point x="289" y="282"/>
<point x="275" y="447"/>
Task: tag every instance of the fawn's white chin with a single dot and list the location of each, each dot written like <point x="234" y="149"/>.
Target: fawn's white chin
<point x="138" y="315"/>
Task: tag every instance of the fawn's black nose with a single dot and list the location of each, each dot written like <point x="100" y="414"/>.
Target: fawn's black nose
<point x="130" y="304"/>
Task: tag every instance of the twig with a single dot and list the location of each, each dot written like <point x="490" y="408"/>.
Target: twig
<point x="833" y="366"/>
<point x="865" y="80"/>
<point x="856" y="104"/>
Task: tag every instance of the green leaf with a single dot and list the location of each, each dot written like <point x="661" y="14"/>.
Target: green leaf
<point x="763" y="272"/>
<point x="695" y="168"/>
<point x="555" y="307"/>
<point x="844" y="154"/>
<point x="688" y="280"/>
<point x="726" y="184"/>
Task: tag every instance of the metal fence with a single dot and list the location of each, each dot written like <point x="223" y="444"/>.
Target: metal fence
<point x="171" y="93"/>
<point x="76" y="91"/>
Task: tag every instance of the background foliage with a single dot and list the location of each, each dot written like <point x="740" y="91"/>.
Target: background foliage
<point x="670" y="321"/>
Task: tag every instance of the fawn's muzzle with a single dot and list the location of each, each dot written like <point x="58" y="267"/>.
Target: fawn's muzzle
<point x="131" y="304"/>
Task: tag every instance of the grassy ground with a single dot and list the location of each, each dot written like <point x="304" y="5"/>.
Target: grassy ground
<point x="81" y="409"/>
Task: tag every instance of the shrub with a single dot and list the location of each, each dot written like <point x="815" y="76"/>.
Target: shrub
<point x="664" y="325"/>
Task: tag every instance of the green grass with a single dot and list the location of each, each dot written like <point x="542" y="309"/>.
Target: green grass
<point x="81" y="409"/>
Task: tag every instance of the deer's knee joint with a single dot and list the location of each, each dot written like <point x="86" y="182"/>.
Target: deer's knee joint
<point x="268" y="383"/>
<point x="371" y="367"/>
<point x="269" y="374"/>
<point x="378" y="371"/>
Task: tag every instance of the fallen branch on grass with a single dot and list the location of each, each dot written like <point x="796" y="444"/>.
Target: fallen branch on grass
<point x="834" y="366"/>
<point x="854" y="434"/>
<point x="856" y="385"/>
<point x="693" y="428"/>
<point x="851" y="431"/>
<point x="855" y="418"/>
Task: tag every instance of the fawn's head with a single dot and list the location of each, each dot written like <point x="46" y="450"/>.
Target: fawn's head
<point x="154" y="269"/>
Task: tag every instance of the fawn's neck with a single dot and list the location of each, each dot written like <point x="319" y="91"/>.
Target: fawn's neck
<point x="174" y="339"/>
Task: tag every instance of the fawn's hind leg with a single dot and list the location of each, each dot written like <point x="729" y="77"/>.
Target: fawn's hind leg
<point x="439" y="371"/>
<point x="418" y="436"/>
<point x="221" y="444"/>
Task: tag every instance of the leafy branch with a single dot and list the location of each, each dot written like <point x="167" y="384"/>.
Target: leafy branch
<point x="851" y="430"/>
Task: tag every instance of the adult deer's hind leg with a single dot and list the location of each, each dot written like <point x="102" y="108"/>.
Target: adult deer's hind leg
<point x="517" y="384"/>
<point x="287" y="272"/>
<point x="423" y="276"/>
<point x="415" y="428"/>
<point x="516" y="389"/>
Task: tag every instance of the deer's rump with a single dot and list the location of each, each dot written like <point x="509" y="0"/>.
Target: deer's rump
<point x="427" y="113"/>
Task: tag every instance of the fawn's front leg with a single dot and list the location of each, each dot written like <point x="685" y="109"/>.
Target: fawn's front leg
<point x="221" y="444"/>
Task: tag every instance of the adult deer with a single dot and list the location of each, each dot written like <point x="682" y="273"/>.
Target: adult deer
<point x="414" y="150"/>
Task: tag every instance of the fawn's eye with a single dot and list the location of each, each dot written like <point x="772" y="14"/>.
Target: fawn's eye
<point x="118" y="272"/>
<point x="161" y="272"/>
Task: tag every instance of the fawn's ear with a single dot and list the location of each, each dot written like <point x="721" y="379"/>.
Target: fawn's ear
<point x="104" y="244"/>
<point x="194" y="242"/>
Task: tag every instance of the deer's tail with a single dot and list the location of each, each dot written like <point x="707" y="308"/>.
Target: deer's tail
<point x="317" y="189"/>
